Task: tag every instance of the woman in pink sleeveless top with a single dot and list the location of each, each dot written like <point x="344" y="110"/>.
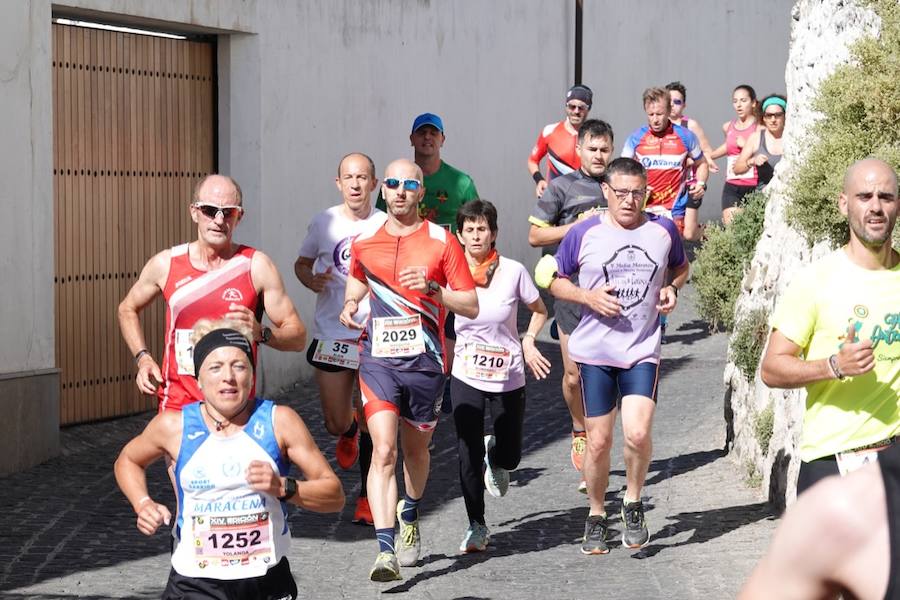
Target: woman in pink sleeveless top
<point x="737" y="132"/>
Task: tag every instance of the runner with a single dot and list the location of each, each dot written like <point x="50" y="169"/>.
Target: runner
<point x="840" y="539"/>
<point x="835" y="332"/>
<point x="490" y="367"/>
<point x="737" y="132"/>
<point x="557" y="140"/>
<point x="678" y="97"/>
<point x="209" y="278"/>
<point x="232" y="453"/>
<point x="764" y="148"/>
<point x="322" y="267"/>
<point x="631" y="265"/>
<point x="664" y="150"/>
<point x="415" y="271"/>
<point x="569" y="198"/>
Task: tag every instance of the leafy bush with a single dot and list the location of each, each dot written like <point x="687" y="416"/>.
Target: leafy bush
<point x="860" y="102"/>
<point x="749" y="339"/>
<point x="763" y="426"/>
<point x="720" y="263"/>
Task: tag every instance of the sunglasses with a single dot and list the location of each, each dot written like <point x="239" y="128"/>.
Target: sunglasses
<point x="410" y="185"/>
<point x="212" y="211"/>
<point x="577" y="107"/>
<point x="774" y="115"/>
<point x="677" y="102"/>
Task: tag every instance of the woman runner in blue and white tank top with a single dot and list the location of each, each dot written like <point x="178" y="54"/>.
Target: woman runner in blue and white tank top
<point x="232" y="453"/>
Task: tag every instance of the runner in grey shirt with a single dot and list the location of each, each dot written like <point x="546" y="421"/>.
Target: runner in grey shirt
<point x="567" y="199"/>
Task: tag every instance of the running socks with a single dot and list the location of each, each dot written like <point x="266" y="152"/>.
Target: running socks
<point x="385" y="539"/>
<point x="410" y="512"/>
<point x="365" y="460"/>
<point x="352" y="431"/>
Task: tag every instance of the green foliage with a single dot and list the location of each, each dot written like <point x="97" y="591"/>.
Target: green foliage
<point x="720" y="263"/>
<point x="763" y="426"/>
<point x="754" y="477"/>
<point x="860" y="102"/>
<point x="748" y="341"/>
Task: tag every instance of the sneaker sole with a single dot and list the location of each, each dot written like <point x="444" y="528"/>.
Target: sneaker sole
<point x="634" y="546"/>
<point x="473" y="549"/>
<point x="594" y="552"/>
<point x="384" y="576"/>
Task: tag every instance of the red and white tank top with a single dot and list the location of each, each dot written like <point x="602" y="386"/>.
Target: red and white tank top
<point x="191" y="295"/>
<point x="734" y="143"/>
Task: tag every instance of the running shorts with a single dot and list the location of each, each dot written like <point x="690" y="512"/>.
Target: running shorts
<point x="276" y="584"/>
<point x="415" y="395"/>
<point x="329" y="368"/>
<point x="602" y="387"/>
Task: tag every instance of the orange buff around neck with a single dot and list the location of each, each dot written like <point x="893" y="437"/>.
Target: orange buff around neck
<point x="483" y="272"/>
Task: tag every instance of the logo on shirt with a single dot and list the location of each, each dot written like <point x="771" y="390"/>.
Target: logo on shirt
<point x="195" y="434"/>
<point x="341" y="255"/>
<point x="231" y="467"/>
<point x="630" y="270"/>
<point x="662" y="162"/>
<point x="232" y="295"/>
<point x="181" y="282"/>
<point x="259" y="431"/>
<point x="442" y="196"/>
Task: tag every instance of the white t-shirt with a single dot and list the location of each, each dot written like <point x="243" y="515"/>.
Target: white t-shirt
<point x="479" y="357"/>
<point x="328" y="242"/>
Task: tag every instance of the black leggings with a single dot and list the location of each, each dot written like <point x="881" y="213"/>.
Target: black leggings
<point x="507" y="415"/>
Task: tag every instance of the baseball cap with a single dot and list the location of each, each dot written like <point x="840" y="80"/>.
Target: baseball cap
<point x="580" y="92"/>
<point x="428" y="119"/>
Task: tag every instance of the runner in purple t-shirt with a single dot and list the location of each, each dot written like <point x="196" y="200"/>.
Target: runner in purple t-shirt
<point x="489" y="368"/>
<point x="630" y="265"/>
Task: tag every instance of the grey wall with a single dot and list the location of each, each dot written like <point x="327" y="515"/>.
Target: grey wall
<point x="711" y="46"/>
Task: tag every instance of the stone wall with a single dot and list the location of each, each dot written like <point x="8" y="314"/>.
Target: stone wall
<point x="822" y="32"/>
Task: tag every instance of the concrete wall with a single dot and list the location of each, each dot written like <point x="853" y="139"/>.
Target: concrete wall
<point x="711" y="46"/>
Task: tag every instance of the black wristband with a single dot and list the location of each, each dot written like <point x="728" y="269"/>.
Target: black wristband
<point x="537" y="177"/>
<point x="139" y="354"/>
<point x="672" y="285"/>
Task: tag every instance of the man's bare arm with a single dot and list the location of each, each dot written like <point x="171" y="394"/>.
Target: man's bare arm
<point x="148" y="286"/>
<point x="289" y="332"/>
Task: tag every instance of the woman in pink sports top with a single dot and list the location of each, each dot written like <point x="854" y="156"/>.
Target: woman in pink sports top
<point x="737" y="132"/>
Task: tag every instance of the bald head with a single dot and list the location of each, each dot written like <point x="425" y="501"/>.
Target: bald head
<point x="403" y="169"/>
<point x="354" y="157"/>
<point x="869" y="168"/>
<point x="215" y="188"/>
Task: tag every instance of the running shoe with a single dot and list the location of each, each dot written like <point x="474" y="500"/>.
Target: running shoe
<point x="477" y="538"/>
<point x="410" y="544"/>
<point x="347" y="450"/>
<point x="363" y="514"/>
<point x="496" y="479"/>
<point x="579" y="443"/>
<point x="386" y="568"/>
<point x="595" y="531"/>
<point x="635" y="534"/>
<point x="582" y="486"/>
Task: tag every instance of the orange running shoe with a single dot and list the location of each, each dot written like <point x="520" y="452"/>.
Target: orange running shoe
<point x="363" y="514"/>
<point x="579" y="442"/>
<point x="347" y="450"/>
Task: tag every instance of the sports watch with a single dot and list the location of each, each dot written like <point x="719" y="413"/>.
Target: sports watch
<point x="265" y="335"/>
<point x="290" y="489"/>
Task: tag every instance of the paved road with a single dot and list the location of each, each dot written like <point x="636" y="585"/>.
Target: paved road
<point x="67" y="532"/>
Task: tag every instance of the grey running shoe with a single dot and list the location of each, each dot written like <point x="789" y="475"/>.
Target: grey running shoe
<point x="386" y="568"/>
<point x="496" y="479"/>
<point x="595" y="531"/>
<point x="477" y="538"/>
<point x="410" y="544"/>
<point x="635" y="534"/>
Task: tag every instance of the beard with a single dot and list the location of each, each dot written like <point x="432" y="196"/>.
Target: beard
<point x="873" y="241"/>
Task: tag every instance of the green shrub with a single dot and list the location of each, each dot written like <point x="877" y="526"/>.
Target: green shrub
<point x="860" y="103"/>
<point x="763" y="426"/>
<point x="754" y="477"/>
<point x="720" y="263"/>
<point x="748" y="341"/>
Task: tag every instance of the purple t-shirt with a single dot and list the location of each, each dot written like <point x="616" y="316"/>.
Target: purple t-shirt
<point x="494" y="327"/>
<point x="635" y="261"/>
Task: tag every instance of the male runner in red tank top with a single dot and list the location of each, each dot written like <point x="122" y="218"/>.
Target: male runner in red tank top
<point x="209" y="278"/>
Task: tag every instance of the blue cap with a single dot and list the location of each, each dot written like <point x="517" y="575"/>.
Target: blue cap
<point x="428" y="119"/>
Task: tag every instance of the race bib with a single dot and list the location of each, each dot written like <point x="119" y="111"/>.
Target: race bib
<point x="340" y="353"/>
<point x="184" y="352"/>
<point x="397" y="337"/>
<point x="243" y="541"/>
<point x="487" y="363"/>
<point x="748" y="174"/>
<point x="852" y="461"/>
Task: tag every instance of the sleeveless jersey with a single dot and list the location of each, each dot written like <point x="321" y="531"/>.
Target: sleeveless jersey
<point x="767" y="170"/>
<point x="731" y="145"/>
<point x="225" y="529"/>
<point x="558" y="145"/>
<point x="191" y="295"/>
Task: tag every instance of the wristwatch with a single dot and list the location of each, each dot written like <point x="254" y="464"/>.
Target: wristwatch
<point x="265" y="335"/>
<point x="433" y="287"/>
<point x="290" y="489"/>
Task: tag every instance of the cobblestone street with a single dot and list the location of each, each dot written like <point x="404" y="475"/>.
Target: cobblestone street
<point x="67" y="532"/>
